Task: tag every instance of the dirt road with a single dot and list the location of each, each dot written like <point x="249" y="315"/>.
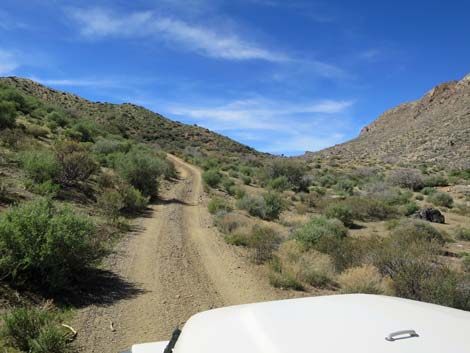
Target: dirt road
<point x="175" y="265"/>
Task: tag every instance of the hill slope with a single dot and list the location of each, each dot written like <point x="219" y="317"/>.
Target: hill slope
<point x="133" y="121"/>
<point x="434" y="129"/>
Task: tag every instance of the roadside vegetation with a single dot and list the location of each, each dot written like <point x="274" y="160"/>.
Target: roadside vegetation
<point x="332" y="228"/>
<point x="68" y="190"/>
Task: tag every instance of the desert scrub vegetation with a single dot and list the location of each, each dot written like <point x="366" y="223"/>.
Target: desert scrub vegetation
<point x="406" y="178"/>
<point x="364" y="279"/>
<point x="462" y="234"/>
<point x="268" y="206"/>
<point x="34" y="330"/>
<point x="218" y="204"/>
<point x="318" y="228"/>
<point x="294" y="267"/>
<point x="46" y="245"/>
<point x="441" y="199"/>
<point x="212" y="178"/>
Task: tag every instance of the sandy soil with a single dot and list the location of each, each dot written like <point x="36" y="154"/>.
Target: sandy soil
<point x="172" y="267"/>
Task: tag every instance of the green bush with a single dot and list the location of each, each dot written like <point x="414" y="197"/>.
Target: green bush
<point x="111" y="203"/>
<point x="218" y="204"/>
<point x="292" y="169"/>
<point x="345" y="185"/>
<point x="229" y="186"/>
<point x="212" y="177"/>
<point x="462" y="233"/>
<point x="47" y="188"/>
<point x="46" y="245"/>
<point x="133" y="199"/>
<point x="246" y="179"/>
<point x="441" y="199"/>
<point x="369" y="209"/>
<point x="280" y="183"/>
<point x="342" y="212"/>
<point x="237" y="239"/>
<point x="76" y="163"/>
<point x="255" y="205"/>
<point x="104" y="146"/>
<point x="58" y="119"/>
<point x="274" y="205"/>
<point x="428" y="190"/>
<point x="263" y="240"/>
<point x="141" y="169"/>
<point x="285" y="281"/>
<point x="40" y="165"/>
<point x="419" y="197"/>
<point x="34" y="331"/>
<point x="417" y="230"/>
<point x="436" y="180"/>
<point x="318" y="228"/>
<point x="7" y="115"/>
<point x="408" y="209"/>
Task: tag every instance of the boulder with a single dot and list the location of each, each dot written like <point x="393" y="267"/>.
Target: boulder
<point x="430" y="214"/>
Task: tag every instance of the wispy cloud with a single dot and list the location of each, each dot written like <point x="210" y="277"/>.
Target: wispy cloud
<point x="8" y="62"/>
<point x="99" y="22"/>
<point x="272" y="125"/>
<point x="72" y="82"/>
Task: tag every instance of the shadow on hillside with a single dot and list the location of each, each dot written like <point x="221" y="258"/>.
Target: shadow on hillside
<point x="171" y="201"/>
<point x="100" y="287"/>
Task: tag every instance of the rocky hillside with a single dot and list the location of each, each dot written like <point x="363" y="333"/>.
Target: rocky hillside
<point x="434" y="129"/>
<point x="135" y="122"/>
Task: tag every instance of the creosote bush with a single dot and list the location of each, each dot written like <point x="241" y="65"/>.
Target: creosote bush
<point x="75" y="161"/>
<point x="46" y="245"/>
<point x="40" y="165"/>
<point x="342" y="212"/>
<point x="263" y="240"/>
<point x="268" y="206"/>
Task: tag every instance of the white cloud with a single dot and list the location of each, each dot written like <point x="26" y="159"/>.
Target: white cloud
<point x="8" y="62"/>
<point x="98" y="22"/>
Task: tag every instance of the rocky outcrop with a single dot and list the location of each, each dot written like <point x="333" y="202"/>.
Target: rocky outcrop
<point x="430" y="214"/>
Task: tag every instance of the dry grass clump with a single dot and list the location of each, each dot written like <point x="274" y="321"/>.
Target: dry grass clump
<point x="364" y="279"/>
<point x="302" y="266"/>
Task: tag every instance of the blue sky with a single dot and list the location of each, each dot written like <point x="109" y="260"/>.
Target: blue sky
<point x="281" y="76"/>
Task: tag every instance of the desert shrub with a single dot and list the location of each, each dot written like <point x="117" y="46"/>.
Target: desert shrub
<point x="45" y="244"/>
<point x="364" y="279"/>
<point x="304" y="266"/>
<point x="212" y="177"/>
<point x="280" y="183"/>
<point x="317" y="228"/>
<point x="58" y="119"/>
<point x="327" y="181"/>
<point x="428" y="190"/>
<point x="342" y="212"/>
<point x="229" y="223"/>
<point x="370" y="209"/>
<point x="47" y="188"/>
<point x="263" y="240"/>
<point x="419" y="197"/>
<point x="284" y="281"/>
<point x="37" y="130"/>
<point x="466" y="263"/>
<point x="7" y="115"/>
<point x="406" y="178"/>
<point x="86" y="130"/>
<point x="238" y="192"/>
<point x="462" y="233"/>
<point x="255" y="205"/>
<point x="435" y="180"/>
<point x="169" y="170"/>
<point x="104" y="146"/>
<point x="218" y="204"/>
<point x="111" y="203"/>
<point x="35" y="331"/>
<point x="133" y="200"/>
<point x="293" y="170"/>
<point x="274" y="205"/>
<point x="441" y="199"/>
<point x="417" y="230"/>
<point x="345" y="185"/>
<point x="40" y="165"/>
<point x="229" y="186"/>
<point x="237" y="239"/>
<point x="408" y="209"/>
<point x="141" y="169"/>
<point x="75" y="162"/>
<point x="246" y="179"/>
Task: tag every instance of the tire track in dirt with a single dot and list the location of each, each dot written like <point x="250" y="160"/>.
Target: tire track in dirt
<point x="176" y="265"/>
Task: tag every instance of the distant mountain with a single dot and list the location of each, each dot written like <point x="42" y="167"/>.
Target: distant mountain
<point x="135" y="122"/>
<point x="434" y="129"/>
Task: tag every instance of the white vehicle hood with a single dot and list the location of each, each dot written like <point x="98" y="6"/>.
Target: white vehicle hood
<point x="329" y="324"/>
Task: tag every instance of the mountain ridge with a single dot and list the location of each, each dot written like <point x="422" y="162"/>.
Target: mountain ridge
<point x="432" y="129"/>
